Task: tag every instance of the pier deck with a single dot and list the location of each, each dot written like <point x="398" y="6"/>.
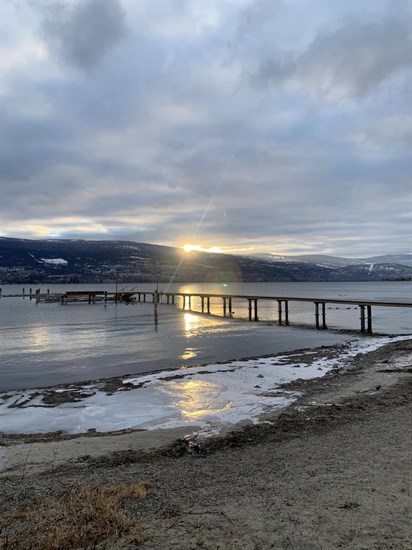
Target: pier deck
<point x="90" y="296"/>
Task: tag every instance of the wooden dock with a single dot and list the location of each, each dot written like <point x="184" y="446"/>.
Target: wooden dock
<point x="204" y="302"/>
<point x="365" y="307"/>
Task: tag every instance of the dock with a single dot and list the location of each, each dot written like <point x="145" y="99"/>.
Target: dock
<point x="203" y="302"/>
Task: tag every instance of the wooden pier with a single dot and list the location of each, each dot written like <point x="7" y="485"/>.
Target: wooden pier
<point x="204" y="301"/>
<point x="283" y="302"/>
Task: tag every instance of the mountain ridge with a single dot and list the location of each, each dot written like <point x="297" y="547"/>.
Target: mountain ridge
<point x="401" y="259"/>
<point x="91" y="261"/>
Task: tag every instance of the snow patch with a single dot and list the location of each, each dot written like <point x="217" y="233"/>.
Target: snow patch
<point x="54" y="261"/>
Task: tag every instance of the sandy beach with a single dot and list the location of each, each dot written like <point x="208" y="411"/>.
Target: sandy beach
<point x="331" y="470"/>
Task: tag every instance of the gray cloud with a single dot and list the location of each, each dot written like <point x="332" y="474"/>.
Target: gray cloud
<point x="346" y="62"/>
<point x="82" y="33"/>
<point x="389" y="132"/>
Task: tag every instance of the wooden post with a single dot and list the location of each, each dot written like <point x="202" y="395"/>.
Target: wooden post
<point x="23" y="293"/>
<point x="208" y="304"/>
<point x="155" y="304"/>
<point x="230" y="306"/>
<point x="173" y="298"/>
<point x="37" y="295"/>
<point x="286" y="312"/>
<point x="202" y="301"/>
<point x="250" y="309"/>
<point x="256" y="310"/>
<point x="324" y="326"/>
<point x="190" y="302"/>
<point x="1" y="292"/>
<point x="105" y="297"/>
<point x="317" y="314"/>
<point x="224" y="306"/>
<point x="362" y="317"/>
<point x="369" y="308"/>
<point x="183" y="302"/>
<point x="90" y="298"/>
<point x="280" y="312"/>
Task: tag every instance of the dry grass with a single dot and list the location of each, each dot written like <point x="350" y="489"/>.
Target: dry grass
<point x="84" y="518"/>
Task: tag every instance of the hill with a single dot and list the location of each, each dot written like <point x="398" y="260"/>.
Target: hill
<point x="81" y="261"/>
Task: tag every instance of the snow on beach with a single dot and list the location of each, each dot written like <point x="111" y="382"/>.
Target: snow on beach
<point x="208" y="397"/>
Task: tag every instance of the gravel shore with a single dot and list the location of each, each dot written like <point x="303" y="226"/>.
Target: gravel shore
<point x="330" y="471"/>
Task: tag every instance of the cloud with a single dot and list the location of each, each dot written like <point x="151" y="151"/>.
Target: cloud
<point x="81" y="34"/>
<point x="349" y="61"/>
<point x="389" y="132"/>
<point x="174" y="143"/>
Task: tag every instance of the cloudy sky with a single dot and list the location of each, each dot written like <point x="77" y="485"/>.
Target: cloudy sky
<point x="253" y="126"/>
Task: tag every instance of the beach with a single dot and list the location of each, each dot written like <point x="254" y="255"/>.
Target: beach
<point x="330" y="470"/>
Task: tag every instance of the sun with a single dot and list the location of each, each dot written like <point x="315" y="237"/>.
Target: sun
<point x="191" y="247"/>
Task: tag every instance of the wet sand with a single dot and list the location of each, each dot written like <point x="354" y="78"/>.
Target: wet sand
<point x="332" y="470"/>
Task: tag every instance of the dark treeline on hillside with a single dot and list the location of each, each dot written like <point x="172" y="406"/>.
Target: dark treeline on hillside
<point x="79" y="261"/>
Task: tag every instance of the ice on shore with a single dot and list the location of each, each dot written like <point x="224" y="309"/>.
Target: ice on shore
<point x="208" y="397"/>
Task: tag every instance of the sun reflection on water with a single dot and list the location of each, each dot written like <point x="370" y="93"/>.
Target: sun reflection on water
<point x="189" y="353"/>
<point x="191" y="324"/>
<point x="197" y="398"/>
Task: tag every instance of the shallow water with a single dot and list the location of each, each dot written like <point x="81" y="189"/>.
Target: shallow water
<point x="46" y="344"/>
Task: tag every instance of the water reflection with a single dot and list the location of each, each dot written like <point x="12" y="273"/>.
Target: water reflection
<point x="189" y="353"/>
<point x="40" y="336"/>
<point x="197" y="398"/>
<point x="72" y="339"/>
<point x="191" y="324"/>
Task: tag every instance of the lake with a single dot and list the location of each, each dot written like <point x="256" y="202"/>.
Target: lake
<point x="46" y="344"/>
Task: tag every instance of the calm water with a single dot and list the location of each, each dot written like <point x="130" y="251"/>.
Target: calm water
<point x="47" y="344"/>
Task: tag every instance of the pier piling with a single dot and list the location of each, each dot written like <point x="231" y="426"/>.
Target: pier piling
<point x="324" y="326"/>
<point x="369" y="309"/>
<point x="362" y="317"/>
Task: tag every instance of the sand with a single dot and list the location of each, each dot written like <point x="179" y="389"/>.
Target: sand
<point x="330" y="471"/>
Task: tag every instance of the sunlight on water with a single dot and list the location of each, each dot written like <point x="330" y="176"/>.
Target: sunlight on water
<point x="40" y="337"/>
<point x="189" y="353"/>
<point x="191" y="324"/>
<point x="197" y="398"/>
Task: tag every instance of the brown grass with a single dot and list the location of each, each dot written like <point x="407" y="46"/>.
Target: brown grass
<point x="82" y="519"/>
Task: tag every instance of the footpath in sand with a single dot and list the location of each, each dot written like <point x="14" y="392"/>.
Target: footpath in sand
<point x="331" y="470"/>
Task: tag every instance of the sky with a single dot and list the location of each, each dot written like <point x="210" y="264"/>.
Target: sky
<point x="239" y="126"/>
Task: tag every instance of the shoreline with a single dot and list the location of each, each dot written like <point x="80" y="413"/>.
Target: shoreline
<point x="210" y="399"/>
<point x="308" y="392"/>
<point x="331" y="470"/>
